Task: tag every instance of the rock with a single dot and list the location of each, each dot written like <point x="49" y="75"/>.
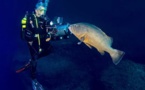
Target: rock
<point x="125" y="76"/>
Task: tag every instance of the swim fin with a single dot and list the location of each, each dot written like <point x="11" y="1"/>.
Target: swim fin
<point x="24" y="67"/>
<point x="36" y="85"/>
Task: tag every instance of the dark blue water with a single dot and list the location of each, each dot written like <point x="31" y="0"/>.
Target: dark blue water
<point x="123" y="20"/>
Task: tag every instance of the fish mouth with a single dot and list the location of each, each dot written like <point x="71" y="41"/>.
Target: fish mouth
<point x="70" y="27"/>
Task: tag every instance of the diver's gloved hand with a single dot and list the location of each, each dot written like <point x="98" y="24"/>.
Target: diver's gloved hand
<point x="36" y="85"/>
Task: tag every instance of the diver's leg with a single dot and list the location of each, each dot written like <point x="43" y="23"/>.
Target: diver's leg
<point x="26" y="66"/>
<point x="46" y="49"/>
<point x="33" y="63"/>
<point x="35" y="84"/>
<point x="33" y="69"/>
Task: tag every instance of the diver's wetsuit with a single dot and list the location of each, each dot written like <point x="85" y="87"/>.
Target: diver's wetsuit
<point x="34" y="31"/>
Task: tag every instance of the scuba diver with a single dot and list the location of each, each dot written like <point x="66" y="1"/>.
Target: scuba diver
<point x="37" y="31"/>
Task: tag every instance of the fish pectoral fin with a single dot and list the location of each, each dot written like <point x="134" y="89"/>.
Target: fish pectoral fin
<point x="89" y="45"/>
<point x="82" y="39"/>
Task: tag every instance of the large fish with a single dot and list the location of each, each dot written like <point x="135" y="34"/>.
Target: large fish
<point x="93" y="36"/>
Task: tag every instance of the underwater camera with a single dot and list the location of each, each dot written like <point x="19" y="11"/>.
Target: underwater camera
<point x="61" y="30"/>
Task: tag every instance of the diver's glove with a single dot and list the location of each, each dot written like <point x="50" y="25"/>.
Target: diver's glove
<point x="36" y="85"/>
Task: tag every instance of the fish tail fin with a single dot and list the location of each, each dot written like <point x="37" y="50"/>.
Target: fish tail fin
<point x="116" y="56"/>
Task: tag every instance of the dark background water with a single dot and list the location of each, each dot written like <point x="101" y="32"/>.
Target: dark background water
<point x="123" y="20"/>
